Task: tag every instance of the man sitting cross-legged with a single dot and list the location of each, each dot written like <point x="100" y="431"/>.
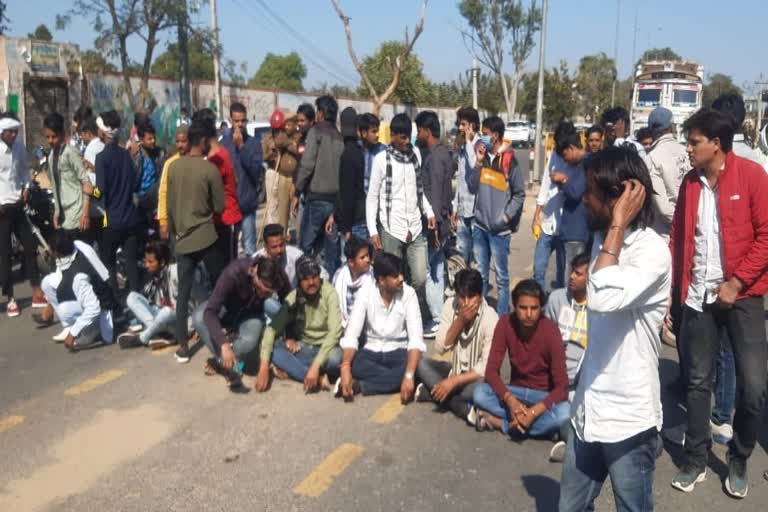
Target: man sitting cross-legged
<point x="354" y="276"/>
<point x="311" y="322"/>
<point x="466" y="327"/>
<point x="231" y="322"/>
<point x="386" y="316"/>
<point x="535" y="401"/>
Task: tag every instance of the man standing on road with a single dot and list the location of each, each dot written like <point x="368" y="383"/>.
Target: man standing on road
<point x="719" y="243"/>
<point x="245" y="152"/>
<point x="350" y="211"/>
<point x="368" y="125"/>
<point x="497" y="182"/>
<point x="733" y="104"/>
<point x="385" y="315"/>
<point x="616" y="412"/>
<point x="182" y="147"/>
<point x="615" y="122"/>
<point x="14" y="193"/>
<point x="595" y="138"/>
<point x="318" y="181"/>
<point x="438" y="172"/>
<point x="463" y="211"/>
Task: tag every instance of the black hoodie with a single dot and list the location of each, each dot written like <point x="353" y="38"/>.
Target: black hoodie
<point x="350" y="209"/>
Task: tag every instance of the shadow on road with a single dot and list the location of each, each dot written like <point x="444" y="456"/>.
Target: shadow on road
<point x="543" y="489"/>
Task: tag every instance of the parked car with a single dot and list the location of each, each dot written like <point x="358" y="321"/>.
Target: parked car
<point x="517" y="133"/>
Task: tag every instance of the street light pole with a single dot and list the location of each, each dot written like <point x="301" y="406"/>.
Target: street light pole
<point x="616" y="54"/>
<point x="474" y="83"/>
<point x="216" y="70"/>
<point x="537" y="150"/>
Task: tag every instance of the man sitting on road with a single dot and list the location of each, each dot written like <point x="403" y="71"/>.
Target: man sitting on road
<point x="466" y="327"/>
<point x="231" y="322"/>
<point x="79" y="293"/>
<point x="535" y="403"/>
<point x="311" y="323"/>
<point x="275" y="248"/>
<point x="386" y="314"/>
<point x="352" y="277"/>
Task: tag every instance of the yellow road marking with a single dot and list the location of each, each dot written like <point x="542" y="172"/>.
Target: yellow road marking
<point x="164" y="350"/>
<point x="326" y="472"/>
<point x="389" y="411"/>
<point x="9" y="422"/>
<point x="94" y="382"/>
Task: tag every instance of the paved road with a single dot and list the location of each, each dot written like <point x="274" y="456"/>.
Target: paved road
<point x="106" y="429"/>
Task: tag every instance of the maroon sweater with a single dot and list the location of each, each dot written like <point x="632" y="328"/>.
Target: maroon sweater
<point x="536" y="363"/>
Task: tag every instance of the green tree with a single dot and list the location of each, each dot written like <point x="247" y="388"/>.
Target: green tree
<point x="280" y="71"/>
<point x="717" y="84"/>
<point x="594" y="81"/>
<point x="559" y="101"/>
<point x="494" y="25"/>
<point x="412" y="85"/>
<point x="95" y="62"/>
<point x="41" y="33"/>
<point x="459" y="93"/>
<point x="4" y="21"/>
<point x="396" y="63"/>
<point x="659" y="54"/>
<point x="167" y="64"/>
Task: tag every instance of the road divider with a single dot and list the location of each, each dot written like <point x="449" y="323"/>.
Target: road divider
<point x="94" y="382"/>
<point x="327" y="471"/>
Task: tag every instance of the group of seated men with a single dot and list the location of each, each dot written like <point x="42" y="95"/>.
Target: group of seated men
<point x="359" y="333"/>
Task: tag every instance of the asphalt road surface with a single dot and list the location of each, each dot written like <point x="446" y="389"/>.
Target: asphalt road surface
<point x="109" y="430"/>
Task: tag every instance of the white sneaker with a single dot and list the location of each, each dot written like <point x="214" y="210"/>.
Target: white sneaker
<point x="59" y="338"/>
<point x="557" y="453"/>
<point x="422" y="393"/>
<point x="136" y="328"/>
<point x="721" y="434"/>
<point x="472" y="416"/>
<point x="12" y="309"/>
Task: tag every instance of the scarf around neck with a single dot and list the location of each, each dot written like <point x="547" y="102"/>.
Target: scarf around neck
<point x="403" y="157"/>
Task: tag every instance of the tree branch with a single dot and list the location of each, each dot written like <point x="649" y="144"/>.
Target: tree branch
<point x="355" y="61"/>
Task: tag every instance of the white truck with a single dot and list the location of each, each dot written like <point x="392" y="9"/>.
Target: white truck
<point x="676" y="85"/>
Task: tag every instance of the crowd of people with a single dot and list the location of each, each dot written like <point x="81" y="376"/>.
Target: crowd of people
<point x="659" y="239"/>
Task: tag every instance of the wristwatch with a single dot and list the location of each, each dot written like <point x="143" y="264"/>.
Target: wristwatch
<point x="409" y="375"/>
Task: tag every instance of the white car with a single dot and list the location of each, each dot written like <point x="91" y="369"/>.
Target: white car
<point x="517" y="133"/>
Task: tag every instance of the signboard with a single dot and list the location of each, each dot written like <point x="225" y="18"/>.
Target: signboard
<point x="45" y="57"/>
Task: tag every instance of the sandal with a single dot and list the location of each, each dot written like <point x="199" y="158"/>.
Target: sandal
<point x="481" y="425"/>
<point x="208" y="368"/>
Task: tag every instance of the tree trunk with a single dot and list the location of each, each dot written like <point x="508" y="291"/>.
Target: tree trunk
<point x="505" y="91"/>
<point x="377" y="104"/>
<point x="124" y="63"/>
<point x="514" y="83"/>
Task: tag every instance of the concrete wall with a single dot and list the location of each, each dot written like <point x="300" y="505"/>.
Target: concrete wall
<point x="104" y="92"/>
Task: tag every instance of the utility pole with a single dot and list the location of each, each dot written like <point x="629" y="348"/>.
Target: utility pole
<point x="216" y="52"/>
<point x="616" y="53"/>
<point x="184" y="86"/>
<point x="538" y="153"/>
<point x="760" y="85"/>
<point x="474" y="83"/>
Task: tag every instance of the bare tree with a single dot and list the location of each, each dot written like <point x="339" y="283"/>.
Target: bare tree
<point x="116" y="21"/>
<point x="397" y="63"/>
<point x="494" y="24"/>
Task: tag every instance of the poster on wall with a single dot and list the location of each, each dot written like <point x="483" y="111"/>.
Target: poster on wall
<point x="45" y="57"/>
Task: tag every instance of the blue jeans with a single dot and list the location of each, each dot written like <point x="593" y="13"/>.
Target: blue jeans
<point x="725" y="382"/>
<point x="296" y="365"/>
<point x="358" y="230"/>
<point x="544" y="426"/>
<point x="435" y="286"/>
<point x="464" y="238"/>
<point x="379" y="372"/>
<point x="489" y="245"/>
<point x="154" y="318"/>
<point x="544" y="247"/>
<point x="314" y="239"/>
<point x="248" y="229"/>
<point x="249" y="331"/>
<point x="630" y="464"/>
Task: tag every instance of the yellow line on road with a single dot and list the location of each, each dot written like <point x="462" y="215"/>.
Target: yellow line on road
<point x="389" y="411"/>
<point x="94" y="382"/>
<point x="9" y="422"/>
<point x="327" y="471"/>
<point x="164" y="350"/>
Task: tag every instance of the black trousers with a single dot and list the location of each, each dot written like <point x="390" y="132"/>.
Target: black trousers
<point x="745" y="325"/>
<point x="13" y="221"/>
<point x="128" y="240"/>
<point x="214" y="262"/>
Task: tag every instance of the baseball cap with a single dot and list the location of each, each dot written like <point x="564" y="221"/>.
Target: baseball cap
<point x="660" y="118"/>
<point x="277" y="119"/>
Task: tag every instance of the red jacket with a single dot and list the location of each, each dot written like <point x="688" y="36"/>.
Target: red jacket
<point x="742" y="203"/>
<point x="231" y="214"/>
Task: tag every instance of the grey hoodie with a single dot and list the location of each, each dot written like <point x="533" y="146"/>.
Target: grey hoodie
<point x="668" y="163"/>
<point x="496" y="196"/>
<point x="318" y="177"/>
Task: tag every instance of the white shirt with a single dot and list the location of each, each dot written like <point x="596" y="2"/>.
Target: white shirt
<point x="291" y="256"/>
<point x="404" y="215"/>
<point x="618" y="395"/>
<point x="93" y="148"/>
<point x="707" y="270"/>
<point x="14" y="173"/>
<point x="464" y="201"/>
<point x="742" y="149"/>
<point x="387" y="328"/>
<point x="551" y="197"/>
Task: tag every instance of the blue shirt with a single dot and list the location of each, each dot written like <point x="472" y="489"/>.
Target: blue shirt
<point x="573" y="223"/>
<point x="148" y="176"/>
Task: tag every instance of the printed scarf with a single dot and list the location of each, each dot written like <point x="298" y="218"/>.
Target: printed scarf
<point x="407" y="157"/>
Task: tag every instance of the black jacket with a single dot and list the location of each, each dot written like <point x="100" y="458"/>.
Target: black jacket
<point x="437" y="175"/>
<point x="350" y="208"/>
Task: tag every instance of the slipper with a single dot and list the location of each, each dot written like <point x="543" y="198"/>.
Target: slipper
<point x="481" y="425"/>
<point x="208" y="368"/>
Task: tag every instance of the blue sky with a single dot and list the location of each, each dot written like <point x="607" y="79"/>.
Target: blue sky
<point x="723" y="41"/>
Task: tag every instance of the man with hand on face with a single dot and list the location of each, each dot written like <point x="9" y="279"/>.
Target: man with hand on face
<point x="616" y="412"/>
<point x="386" y="316"/>
<point x="311" y="323"/>
<point x="535" y="403"/>
<point x="466" y="329"/>
<point x="719" y="242"/>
